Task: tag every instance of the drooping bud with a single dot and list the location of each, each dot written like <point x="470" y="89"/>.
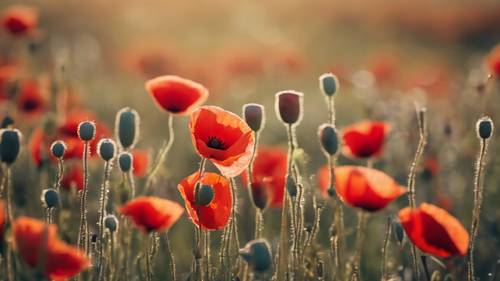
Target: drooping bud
<point x="50" y="198"/>
<point x="204" y="195"/>
<point x="329" y="84"/>
<point x="291" y="186"/>
<point x="260" y="196"/>
<point x="7" y="121"/>
<point x="111" y="223"/>
<point x="106" y="149"/>
<point x="289" y="106"/>
<point x="58" y="148"/>
<point x="257" y="254"/>
<point x="484" y="128"/>
<point x="10" y="145"/>
<point x="254" y="116"/>
<point x="328" y="138"/>
<point x="86" y="130"/>
<point x="127" y="127"/>
<point x="125" y="161"/>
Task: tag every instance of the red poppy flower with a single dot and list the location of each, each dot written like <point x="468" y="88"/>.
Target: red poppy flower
<point x="35" y="144"/>
<point x="150" y="61"/>
<point x="223" y="138"/>
<point x="73" y="177"/>
<point x="433" y="230"/>
<point x="384" y="67"/>
<point x="324" y="180"/>
<point x="175" y="94"/>
<point x="19" y="20"/>
<point x="2" y="219"/>
<point x="364" y="139"/>
<point x="32" y="99"/>
<point x="269" y="172"/>
<point x="216" y="214"/>
<point x="493" y="61"/>
<point x="40" y="142"/>
<point x="152" y="213"/>
<point x="431" y="166"/>
<point x="61" y="261"/>
<point x="140" y="162"/>
<point x="366" y="188"/>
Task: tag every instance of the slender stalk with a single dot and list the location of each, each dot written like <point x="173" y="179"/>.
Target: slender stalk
<point x="207" y="255"/>
<point x="360" y="237"/>
<point x="102" y="200"/>
<point x="9" y="259"/>
<point x="83" y="242"/>
<point x="60" y="173"/>
<point x="234" y="243"/>
<point x="331" y="109"/>
<point x="478" y="205"/>
<point x="148" y="254"/>
<point x="383" y="266"/>
<point x="171" y="257"/>
<point x="162" y="154"/>
<point x="197" y="251"/>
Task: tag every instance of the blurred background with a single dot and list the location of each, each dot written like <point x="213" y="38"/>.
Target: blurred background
<point x="388" y="55"/>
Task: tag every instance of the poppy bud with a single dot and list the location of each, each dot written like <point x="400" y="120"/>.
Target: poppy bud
<point x="10" y="145"/>
<point x="329" y="84"/>
<point x="254" y="116"/>
<point x="291" y="186"/>
<point x="111" y="223"/>
<point x="398" y="231"/>
<point x="331" y="191"/>
<point x="127" y="127"/>
<point x="125" y="161"/>
<point x="328" y="138"/>
<point x="50" y="198"/>
<point x="289" y="106"/>
<point x="484" y="127"/>
<point x="106" y="149"/>
<point x="93" y="237"/>
<point x="257" y="254"/>
<point x="58" y="148"/>
<point x="7" y="121"/>
<point x="86" y="130"/>
<point x="259" y="195"/>
<point x="204" y="194"/>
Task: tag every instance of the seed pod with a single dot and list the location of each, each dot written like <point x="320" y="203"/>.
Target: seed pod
<point x="58" y="148"/>
<point x="204" y="195"/>
<point x="289" y="106"/>
<point x="328" y="138"/>
<point x="10" y="145"/>
<point x="329" y="84"/>
<point x="86" y="130"/>
<point x="7" y="121"/>
<point x="254" y="116"/>
<point x="125" y="161"/>
<point x="50" y="198"/>
<point x="257" y="254"/>
<point x="106" y="149"/>
<point x="127" y="127"/>
<point x="291" y="186"/>
<point x="260" y="197"/>
<point x="484" y="128"/>
<point x="111" y="223"/>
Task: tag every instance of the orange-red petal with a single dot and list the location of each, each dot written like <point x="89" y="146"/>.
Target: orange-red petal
<point x="73" y="177"/>
<point x="433" y="230"/>
<point x="216" y="214"/>
<point x="493" y="61"/>
<point x="140" y="162"/>
<point x="19" y="19"/>
<point x="364" y="139"/>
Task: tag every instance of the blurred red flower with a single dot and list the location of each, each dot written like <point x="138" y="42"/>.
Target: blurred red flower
<point x="73" y="177"/>
<point x="33" y="237"/>
<point x="19" y="20"/>
<point x="493" y="61"/>
<point x="324" y="180"/>
<point x="32" y="99"/>
<point x="216" y="214"/>
<point x="366" y="188"/>
<point x="176" y="95"/>
<point x="140" y="162"/>
<point x="152" y="213"/>
<point x="269" y="172"/>
<point x="364" y="139"/>
<point x="384" y="67"/>
<point x="150" y="61"/>
<point x="223" y="138"/>
<point x="433" y="230"/>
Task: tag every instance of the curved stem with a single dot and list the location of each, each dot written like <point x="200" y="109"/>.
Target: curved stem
<point x="102" y="200"/>
<point x="171" y="257"/>
<point x="148" y="254"/>
<point x="83" y="230"/>
<point x="360" y="237"/>
<point x="385" y="247"/>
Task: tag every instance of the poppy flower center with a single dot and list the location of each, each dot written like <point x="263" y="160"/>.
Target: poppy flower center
<point x="215" y="143"/>
<point x="30" y="105"/>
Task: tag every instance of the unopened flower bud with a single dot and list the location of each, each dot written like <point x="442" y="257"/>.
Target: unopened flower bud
<point x="86" y="130"/>
<point x="10" y="145"/>
<point x="254" y="116"/>
<point x="484" y="128"/>
<point x="289" y="106"/>
<point x="127" y="127"/>
<point x="257" y="254"/>
<point x="50" y="198"/>
<point x="111" y="223"/>
<point x="329" y="84"/>
<point x="398" y="230"/>
<point x="106" y="149"/>
<point x="125" y="161"/>
<point x="7" y="121"/>
<point x="260" y="197"/>
<point x="58" y="148"/>
<point x="204" y="194"/>
<point x="328" y="138"/>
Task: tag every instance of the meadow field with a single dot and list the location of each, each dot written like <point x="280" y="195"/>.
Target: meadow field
<point x="249" y="140"/>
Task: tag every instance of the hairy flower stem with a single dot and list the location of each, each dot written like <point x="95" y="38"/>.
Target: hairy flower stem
<point x="478" y="206"/>
<point x="360" y="237"/>
<point x="422" y="128"/>
<point x="234" y="242"/>
<point x="207" y="254"/>
<point x="83" y="234"/>
<point x="331" y="109"/>
<point x="6" y="188"/>
<point x="60" y="173"/>
<point x="385" y="247"/>
<point x="171" y="258"/>
<point x="102" y="213"/>
<point x="197" y="253"/>
<point x="162" y="154"/>
<point x="149" y="255"/>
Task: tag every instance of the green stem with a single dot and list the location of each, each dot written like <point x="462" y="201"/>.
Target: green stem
<point x="102" y="211"/>
<point x="148" y="254"/>
<point x="83" y="230"/>
<point x="383" y="269"/>
<point x="360" y="237"/>
<point x="171" y="257"/>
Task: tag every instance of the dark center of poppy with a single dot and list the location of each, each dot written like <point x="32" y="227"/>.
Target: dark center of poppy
<point x="215" y="143"/>
<point x="30" y="105"/>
